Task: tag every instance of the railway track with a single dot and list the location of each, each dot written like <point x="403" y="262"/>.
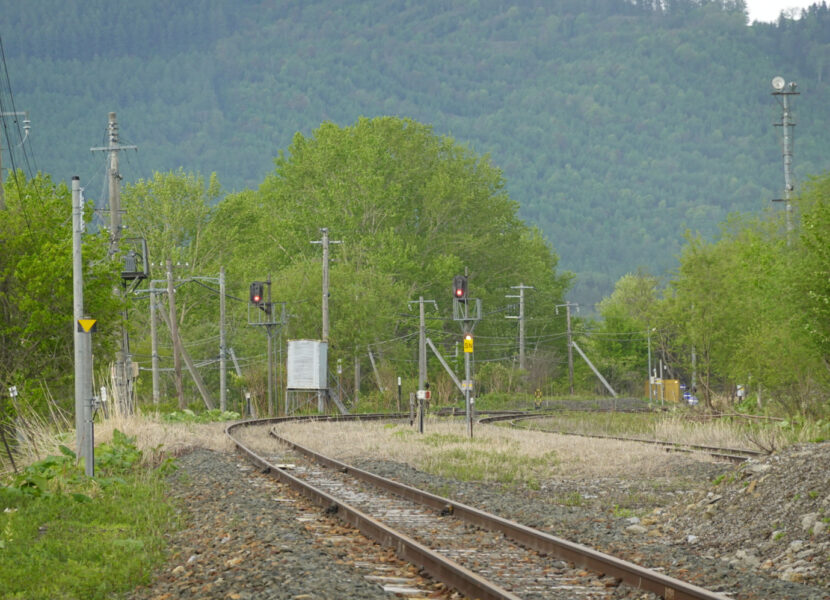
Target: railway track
<point x="735" y="455"/>
<point x="479" y="554"/>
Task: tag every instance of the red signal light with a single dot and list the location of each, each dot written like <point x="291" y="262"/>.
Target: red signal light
<point x="459" y="287"/>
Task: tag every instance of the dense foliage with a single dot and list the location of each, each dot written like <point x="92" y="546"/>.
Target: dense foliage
<point x="618" y="123"/>
<point x="748" y="309"/>
<point x="411" y="209"/>
<point x="36" y="292"/>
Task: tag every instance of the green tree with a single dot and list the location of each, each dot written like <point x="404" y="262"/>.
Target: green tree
<point x="734" y="304"/>
<point x="36" y="291"/>
<point x="412" y="209"/>
<point x="172" y="213"/>
<point x="622" y="336"/>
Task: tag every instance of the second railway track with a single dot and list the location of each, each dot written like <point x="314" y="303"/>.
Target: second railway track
<point x="735" y="455"/>
<point x="477" y="553"/>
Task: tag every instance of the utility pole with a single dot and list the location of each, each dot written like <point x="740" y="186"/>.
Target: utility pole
<point x="270" y="354"/>
<point x="784" y="90"/>
<point x="521" y="287"/>
<point x="154" y="344"/>
<point x="26" y="128"/>
<point x="82" y="338"/>
<point x="422" y="359"/>
<point x="567" y="306"/>
<point x="123" y="370"/>
<point x="422" y="362"/>
<point x="223" y="362"/>
<point x="174" y="332"/>
<point x="114" y="181"/>
<point x="325" y="242"/>
<point x="356" y="377"/>
<point x="650" y="376"/>
<point x="321" y="401"/>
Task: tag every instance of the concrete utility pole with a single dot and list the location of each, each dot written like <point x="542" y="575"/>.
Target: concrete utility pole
<point x="83" y="339"/>
<point x="154" y="344"/>
<point x="356" y="377"/>
<point x="174" y="333"/>
<point x="567" y="306"/>
<point x="223" y="362"/>
<point x="784" y="90"/>
<point x="26" y="128"/>
<point x="325" y="242"/>
<point x="123" y="368"/>
<point x="650" y="376"/>
<point x="114" y="181"/>
<point x="521" y="287"/>
<point x="422" y="358"/>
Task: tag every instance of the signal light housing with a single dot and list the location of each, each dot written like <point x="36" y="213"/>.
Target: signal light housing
<point x="256" y="293"/>
<point x="459" y="287"/>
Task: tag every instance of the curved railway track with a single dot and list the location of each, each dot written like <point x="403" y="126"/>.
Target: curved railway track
<point x="479" y="554"/>
<point x="735" y="455"/>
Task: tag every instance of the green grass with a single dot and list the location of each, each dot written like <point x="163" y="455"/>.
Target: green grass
<point x="570" y="499"/>
<point x="66" y="536"/>
<point x="621" y="512"/>
<point x="469" y="462"/>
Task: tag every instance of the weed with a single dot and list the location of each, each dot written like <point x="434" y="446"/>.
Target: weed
<point x="402" y="434"/>
<point x="570" y="499"/>
<point x="108" y="528"/>
<point x="213" y="415"/>
<point x="622" y="513"/>
<point x="724" y="478"/>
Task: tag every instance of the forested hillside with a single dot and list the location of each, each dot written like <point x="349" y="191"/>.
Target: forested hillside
<point x="617" y="124"/>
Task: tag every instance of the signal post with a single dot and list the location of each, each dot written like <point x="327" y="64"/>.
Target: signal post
<point x="468" y="311"/>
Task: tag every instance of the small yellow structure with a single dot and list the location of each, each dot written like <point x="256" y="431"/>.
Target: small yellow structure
<point x="666" y="390"/>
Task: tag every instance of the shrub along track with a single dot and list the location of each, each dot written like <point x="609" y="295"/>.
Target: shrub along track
<point x="477" y="553"/>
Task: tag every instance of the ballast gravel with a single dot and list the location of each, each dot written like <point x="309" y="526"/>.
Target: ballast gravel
<point x="250" y="538"/>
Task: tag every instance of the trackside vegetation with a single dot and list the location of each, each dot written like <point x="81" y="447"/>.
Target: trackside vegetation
<point x="66" y="536"/>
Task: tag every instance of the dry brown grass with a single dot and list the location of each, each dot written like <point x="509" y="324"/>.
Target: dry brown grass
<point x="712" y="433"/>
<point x="152" y="434"/>
<point x="40" y="438"/>
<point x="562" y="456"/>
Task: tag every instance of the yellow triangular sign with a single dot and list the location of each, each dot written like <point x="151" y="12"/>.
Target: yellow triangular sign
<point x="87" y="325"/>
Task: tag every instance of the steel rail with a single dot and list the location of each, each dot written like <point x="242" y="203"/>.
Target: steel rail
<point x="441" y="568"/>
<point x="667" y="587"/>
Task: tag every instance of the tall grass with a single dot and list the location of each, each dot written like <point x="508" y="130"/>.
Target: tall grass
<point x="64" y="535"/>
